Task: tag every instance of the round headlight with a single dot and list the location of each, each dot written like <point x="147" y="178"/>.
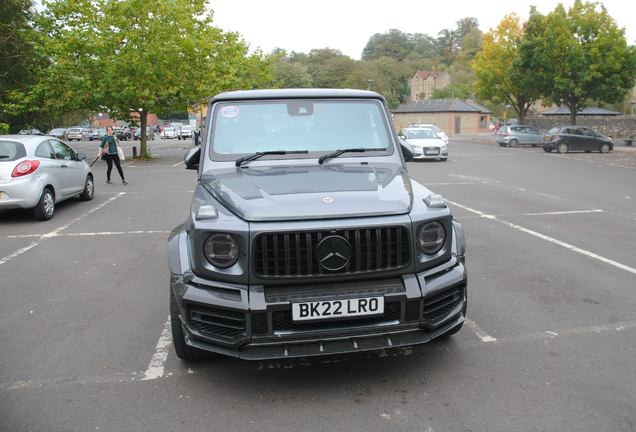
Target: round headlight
<point x="431" y="238"/>
<point x="221" y="250"/>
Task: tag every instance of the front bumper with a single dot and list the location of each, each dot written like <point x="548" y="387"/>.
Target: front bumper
<point x="254" y="322"/>
<point x="430" y="153"/>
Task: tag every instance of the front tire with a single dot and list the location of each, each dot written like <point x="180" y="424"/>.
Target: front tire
<point x="604" y="148"/>
<point x="183" y="350"/>
<point x="443" y="159"/>
<point x="46" y="206"/>
<point x="562" y="148"/>
<point x="89" y="189"/>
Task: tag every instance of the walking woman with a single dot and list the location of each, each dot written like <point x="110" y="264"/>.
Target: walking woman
<point x="108" y="148"/>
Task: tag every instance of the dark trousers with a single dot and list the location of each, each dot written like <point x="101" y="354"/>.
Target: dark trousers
<point x="110" y="158"/>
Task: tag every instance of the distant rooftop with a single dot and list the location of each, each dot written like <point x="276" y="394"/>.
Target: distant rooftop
<point x="592" y="111"/>
<point x="440" y="105"/>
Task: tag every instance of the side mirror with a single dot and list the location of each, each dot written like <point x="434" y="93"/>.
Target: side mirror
<point x="81" y="156"/>
<point x="407" y="152"/>
<point x="192" y="158"/>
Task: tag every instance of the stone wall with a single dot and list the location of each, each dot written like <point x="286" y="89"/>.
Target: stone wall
<point x="615" y="127"/>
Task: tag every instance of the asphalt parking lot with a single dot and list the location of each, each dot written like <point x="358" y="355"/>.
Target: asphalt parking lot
<point x="549" y="343"/>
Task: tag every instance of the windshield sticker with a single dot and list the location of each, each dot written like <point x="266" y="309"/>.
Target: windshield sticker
<point x="230" y="111"/>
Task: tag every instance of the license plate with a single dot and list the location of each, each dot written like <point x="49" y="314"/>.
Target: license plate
<point x="547" y="138"/>
<point x="432" y="152"/>
<point x="330" y="309"/>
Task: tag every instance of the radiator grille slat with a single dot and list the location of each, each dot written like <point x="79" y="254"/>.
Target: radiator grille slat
<point x="293" y="254"/>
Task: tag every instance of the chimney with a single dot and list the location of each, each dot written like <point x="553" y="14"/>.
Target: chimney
<point x="433" y="69"/>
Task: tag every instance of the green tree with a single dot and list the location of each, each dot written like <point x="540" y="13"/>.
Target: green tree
<point x="131" y="57"/>
<point x="18" y="61"/>
<point x="459" y="91"/>
<point x="501" y="77"/>
<point x="425" y="45"/>
<point x="292" y="75"/>
<point x="393" y="44"/>
<point x="577" y="56"/>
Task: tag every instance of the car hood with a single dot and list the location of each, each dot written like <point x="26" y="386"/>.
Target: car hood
<point x="312" y="192"/>
<point x="429" y="142"/>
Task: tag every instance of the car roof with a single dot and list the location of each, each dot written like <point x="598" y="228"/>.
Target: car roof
<point x="296" y="94"/>
<point x="24" y="138"/>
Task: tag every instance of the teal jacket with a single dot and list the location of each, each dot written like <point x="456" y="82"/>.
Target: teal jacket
<point x="112" y="146"/>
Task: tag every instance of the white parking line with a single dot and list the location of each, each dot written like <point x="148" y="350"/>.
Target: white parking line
<point x="485" y="337"/>
<point x="564" y="212"/>
<point x="56" y="231"/>
<point x="157" y="364"/>
<point x="549" y="239"/>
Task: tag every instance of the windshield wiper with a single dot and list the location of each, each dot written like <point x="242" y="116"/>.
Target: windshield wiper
<point x="340" y="152"/>
<point x="261" y="154"/>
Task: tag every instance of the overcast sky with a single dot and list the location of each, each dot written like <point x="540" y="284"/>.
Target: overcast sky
<point x="347" y="25"/>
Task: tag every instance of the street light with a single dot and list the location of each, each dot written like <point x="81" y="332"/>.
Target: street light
<point x="369" y="81"/>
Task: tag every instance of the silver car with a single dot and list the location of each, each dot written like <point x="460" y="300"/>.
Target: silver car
<point x="37" y="172"/>
<point x="425" y="142"/>
<point x="519" y="135"/>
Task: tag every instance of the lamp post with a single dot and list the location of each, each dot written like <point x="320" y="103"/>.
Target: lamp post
<point x="633" y="102"/>
<point x="368" y="81"/>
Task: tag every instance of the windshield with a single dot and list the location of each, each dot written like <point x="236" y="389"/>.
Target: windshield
<point x="421" y="134"/>
<point x="318" y="127"/>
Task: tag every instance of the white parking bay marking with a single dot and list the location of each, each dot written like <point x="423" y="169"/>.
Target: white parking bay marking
<point x="157" y="364"/>
<point x="547" y="238"/>
<point x="56" y="231"/>
<point x="485" y="337"/>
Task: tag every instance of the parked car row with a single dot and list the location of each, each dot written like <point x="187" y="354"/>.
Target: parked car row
<point x="79" y="133"/>
<point x="559" y="138"/>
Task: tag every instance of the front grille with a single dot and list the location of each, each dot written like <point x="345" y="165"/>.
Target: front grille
<point x="217" y="322"/>
<point x="282" y="320"/>
<point x="293" y="254"/>
<point x="440" y="305"/>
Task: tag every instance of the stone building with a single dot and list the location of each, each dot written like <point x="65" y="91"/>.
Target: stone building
<point x="423" y="83"/>
<point x="453" y="116"/>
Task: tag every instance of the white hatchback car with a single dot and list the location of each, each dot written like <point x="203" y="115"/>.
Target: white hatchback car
<point x="37" y="172"/>
<point x="425" y="142"/>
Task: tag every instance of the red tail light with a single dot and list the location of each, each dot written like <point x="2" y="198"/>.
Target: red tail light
<point x="507" y="134"/>
<point x="24" y="168"/>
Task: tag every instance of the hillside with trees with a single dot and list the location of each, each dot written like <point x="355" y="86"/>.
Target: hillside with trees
<point x="388" y="60"/>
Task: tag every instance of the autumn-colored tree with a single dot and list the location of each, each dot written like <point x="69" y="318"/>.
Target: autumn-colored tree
<point x="501" y="78"/>
<point x="130" y="56"/>
<point x="576" y="56"/>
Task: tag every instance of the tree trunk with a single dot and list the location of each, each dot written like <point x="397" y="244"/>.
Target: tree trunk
<point x="143" y="149"/>
<point x="573" y="115"/>
<point x="521" y="114"/>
